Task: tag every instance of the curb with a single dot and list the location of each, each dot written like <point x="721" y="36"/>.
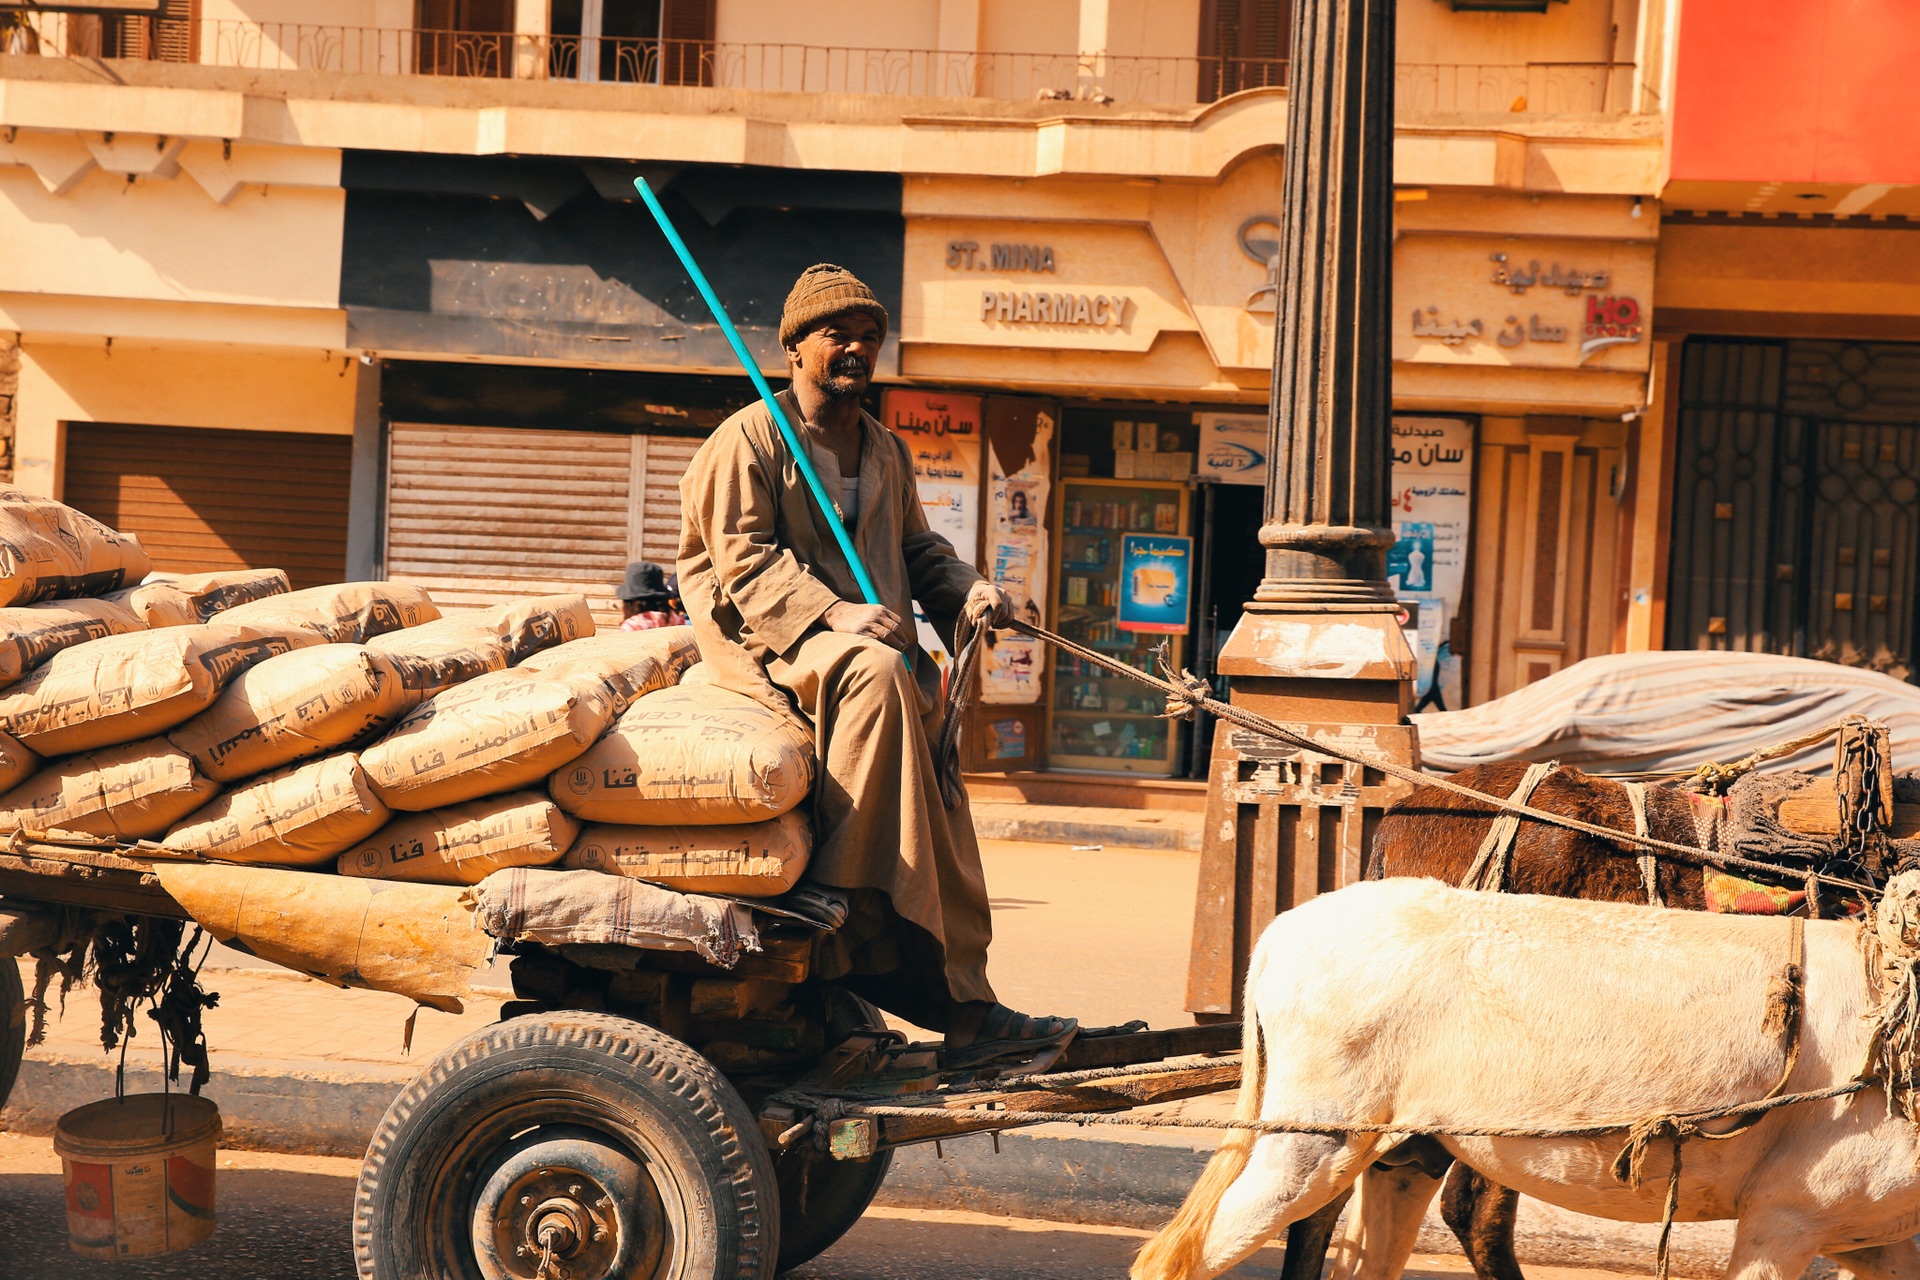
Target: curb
<point x="264" y="1106"/>
<point x="1178" y="837"/>
<point x="1058" y="1173"/>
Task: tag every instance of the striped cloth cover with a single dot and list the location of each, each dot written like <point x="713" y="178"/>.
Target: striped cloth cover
<point x="1649" y="713"/>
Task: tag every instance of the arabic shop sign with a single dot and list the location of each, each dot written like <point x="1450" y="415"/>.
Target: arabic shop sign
<point x="1556" y="309"/>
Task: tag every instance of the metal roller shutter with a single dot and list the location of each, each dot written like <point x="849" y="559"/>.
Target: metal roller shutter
<point x="201" y="499"/>
<point x="484" y="515"/>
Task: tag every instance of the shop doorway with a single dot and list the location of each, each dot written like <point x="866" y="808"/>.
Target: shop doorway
<point x="1794" y="526"/>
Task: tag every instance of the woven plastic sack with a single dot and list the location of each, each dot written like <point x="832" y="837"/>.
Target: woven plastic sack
<point x="128" y="687"/>
<point x="753" y="860"/>
<point x="32" y="633"/>
<point x="49" y="551"/>
<point x="134" y="791"/>
<point x="465" y="843"/>
<point x="691" y="754"/>
<point x="343" y="613"/>
<point x="302" y="816"/>
<point x="180" y="600"/>
<point x="294" y="707"/>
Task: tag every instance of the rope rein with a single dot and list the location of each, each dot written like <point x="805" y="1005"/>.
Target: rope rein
<point x="1188" y="694"/>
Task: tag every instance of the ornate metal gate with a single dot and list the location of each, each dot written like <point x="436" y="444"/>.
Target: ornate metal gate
<point x="1794" y="527"/>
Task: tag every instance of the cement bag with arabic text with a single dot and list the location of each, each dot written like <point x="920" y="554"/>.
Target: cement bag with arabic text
<point x="633" y="663"/>
<point x="170" y="600"/>
<point x="496" y="637"/>
<point x="510" y="729"/>
<point x="465" y="843"/>
<point x="17" y="764"/>
<point x="341" y="613"/>
<point x="134" y="791"/>
<point x="49" y="551"/>
<point x="296" y="706"/>
<point x="748" y="859"/>
<point x="698" y="754"/>
<point x="500" y="732"/>
<point x="123" y="688"/>
<point x="302" y="816"/>
<point x="32" y="633"/>
<point x="416" y="940"/>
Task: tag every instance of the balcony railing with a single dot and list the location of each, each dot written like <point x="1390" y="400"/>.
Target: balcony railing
<point x="1535" y="88"/>
<point x="790" y="68"/>
<point x="1532" y="88"/>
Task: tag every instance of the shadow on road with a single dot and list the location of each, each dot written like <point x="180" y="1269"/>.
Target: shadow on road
<point x="274" y="1225"/>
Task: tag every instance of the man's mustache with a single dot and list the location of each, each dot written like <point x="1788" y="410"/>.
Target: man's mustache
<point x="849" y="367"/>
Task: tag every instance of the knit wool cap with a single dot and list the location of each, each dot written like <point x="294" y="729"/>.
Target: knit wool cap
<point x="825" y="290"/>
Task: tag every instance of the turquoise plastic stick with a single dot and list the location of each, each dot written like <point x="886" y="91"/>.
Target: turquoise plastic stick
<point x="741" y="353"/>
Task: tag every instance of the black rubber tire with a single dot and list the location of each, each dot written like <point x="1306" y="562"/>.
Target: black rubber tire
<point x="836" y="1192"/>
<point x="683" y="1122"/>
<point x="13" y="1025"/>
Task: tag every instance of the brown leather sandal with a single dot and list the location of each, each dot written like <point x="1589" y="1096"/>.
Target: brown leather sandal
<point x="1005" y="1033"/>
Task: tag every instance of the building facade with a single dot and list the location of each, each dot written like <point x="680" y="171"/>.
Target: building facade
<point x="383" y="262"/>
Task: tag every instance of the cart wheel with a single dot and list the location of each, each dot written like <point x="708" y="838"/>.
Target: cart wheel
<point x="820" y="1197"/>
<point x="574" y="1145"/>
<point x="13" y="1025"/>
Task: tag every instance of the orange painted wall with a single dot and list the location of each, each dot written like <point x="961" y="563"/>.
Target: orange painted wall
<point x="1798" y="91"/>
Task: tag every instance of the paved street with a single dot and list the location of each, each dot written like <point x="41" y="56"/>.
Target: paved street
<point x="286" y="1218"/>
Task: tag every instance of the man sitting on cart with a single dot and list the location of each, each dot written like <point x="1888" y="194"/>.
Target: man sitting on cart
<point x="779" y="617"/>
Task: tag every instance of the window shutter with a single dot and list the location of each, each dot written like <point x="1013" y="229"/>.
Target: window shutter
<point x="686" y="44"/>
<point x="488" y="515"/>
<point x="176" y="31"/>
<point x="172" y="487"/>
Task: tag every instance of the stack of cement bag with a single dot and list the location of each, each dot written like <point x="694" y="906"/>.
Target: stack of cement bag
<point x="696" y="788"/>
<point x="91" y="726"/>
<point x="353" y="728"/>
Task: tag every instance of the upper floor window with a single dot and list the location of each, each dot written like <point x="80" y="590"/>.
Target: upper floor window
<point x="1243" y="45"/>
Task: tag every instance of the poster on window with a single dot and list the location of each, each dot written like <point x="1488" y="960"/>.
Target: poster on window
<point x="942" y="432"/>
<point x="1427" y="564"/>
<point x="1155" y="571"/>
<point x="1019" y="467"/>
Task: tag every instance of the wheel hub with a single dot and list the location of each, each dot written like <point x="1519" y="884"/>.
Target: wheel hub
<point x="564" y="1202"/>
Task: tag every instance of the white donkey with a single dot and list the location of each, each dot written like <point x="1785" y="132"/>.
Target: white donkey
<point x="1408" y="1002"/>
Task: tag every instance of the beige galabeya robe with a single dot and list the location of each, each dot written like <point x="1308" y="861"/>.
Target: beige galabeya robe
<point x="758" y="570"/>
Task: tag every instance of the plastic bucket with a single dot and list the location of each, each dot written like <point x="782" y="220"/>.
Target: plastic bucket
<point x="139" y="1174"/>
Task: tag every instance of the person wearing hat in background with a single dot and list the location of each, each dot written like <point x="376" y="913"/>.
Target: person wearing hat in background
<point x="779" y="617"/>
<point x="648" y="599"/>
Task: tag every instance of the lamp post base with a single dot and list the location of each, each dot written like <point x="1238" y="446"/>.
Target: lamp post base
<point x="1284" y="824"/>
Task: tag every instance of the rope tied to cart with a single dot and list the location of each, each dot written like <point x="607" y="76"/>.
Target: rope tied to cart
<point x="1186" y="694"/>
